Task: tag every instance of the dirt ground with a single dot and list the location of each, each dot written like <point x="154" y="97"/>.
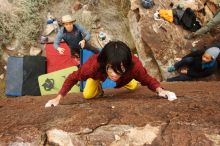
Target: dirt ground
<point x="191" y="120"/>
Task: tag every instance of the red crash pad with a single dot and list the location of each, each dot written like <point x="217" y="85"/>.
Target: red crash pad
<point x="56" y="61"/>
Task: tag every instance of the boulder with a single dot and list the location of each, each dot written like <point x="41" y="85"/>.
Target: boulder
<point x="138" y="118"/>
<point x="34" y="51"/>
<point x="213" y="6"/>
<point x="158" y="42"/>
<point x="59" y="137"/>
<point x="13" y="45"/>
<point x="76" y="6"/>
<point x="5" y="56"/>
<point x="2" y="76"/>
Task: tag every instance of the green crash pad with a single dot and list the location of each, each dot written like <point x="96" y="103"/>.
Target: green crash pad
<point x="51" y="83"/>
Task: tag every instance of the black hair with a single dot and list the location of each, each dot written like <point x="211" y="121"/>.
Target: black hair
<point x="115" y="53"/>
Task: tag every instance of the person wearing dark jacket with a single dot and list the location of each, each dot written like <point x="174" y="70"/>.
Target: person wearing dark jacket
<point x="117" y="63"/>
<point x="198" y="64"/>
<point x="74" y="35"/>
<point x="214" y="22"/>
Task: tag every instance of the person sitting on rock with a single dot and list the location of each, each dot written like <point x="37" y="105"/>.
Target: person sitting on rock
<point x="115" y="62"/>
<point x="74" y="35"/>
<point x="206" y="28"/>
<point x="198" y="64"/>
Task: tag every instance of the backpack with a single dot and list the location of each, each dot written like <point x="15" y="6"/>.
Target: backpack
<point x="147" y="3"/>
<point x="166" y="15"/>
<point x="189" y="21"/>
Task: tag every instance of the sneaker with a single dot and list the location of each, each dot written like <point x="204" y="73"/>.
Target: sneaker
<point x="101" y="94"/>
<point x="171" y="69"/>
<point x="194" y="49"/>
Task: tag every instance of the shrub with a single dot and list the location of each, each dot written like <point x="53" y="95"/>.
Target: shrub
<point x="25" y="24"/>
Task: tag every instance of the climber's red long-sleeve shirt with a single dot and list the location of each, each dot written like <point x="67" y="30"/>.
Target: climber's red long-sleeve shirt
<point x="90" y="70"/>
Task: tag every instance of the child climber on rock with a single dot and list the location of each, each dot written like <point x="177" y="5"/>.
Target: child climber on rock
<point x="117" y="63"/>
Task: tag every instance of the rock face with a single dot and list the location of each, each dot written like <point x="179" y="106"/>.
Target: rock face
<point x="34" y="51"/>
<point x="123" y="118"/>
<point x="156" y="42"/>
<point x="120" y="135"/>
<point x="119" y="119"/>
<point x="159" y="42"/>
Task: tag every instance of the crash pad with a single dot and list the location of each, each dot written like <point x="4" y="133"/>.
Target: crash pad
<point x="51" y="83"/>
<point x="56" y="61"/>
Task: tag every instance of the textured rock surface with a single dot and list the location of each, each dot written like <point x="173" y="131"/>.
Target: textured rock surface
<point x="121" y="118"/>
<point x="118" y="119"/>
<point x="159" y="42"/>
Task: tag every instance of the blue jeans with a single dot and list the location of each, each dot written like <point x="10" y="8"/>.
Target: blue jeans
<point x="184" y="62"/>
<point x="179" y="78"/>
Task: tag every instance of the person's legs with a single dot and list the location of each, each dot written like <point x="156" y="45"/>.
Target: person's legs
<point x="75" y="52"/>
<point x="132" y="85"/>
<point x="88" y="46"/>
<point x="179" y="78"/>
<point x="210" y="25"/>
<point x="92" y="88"/>
<point x="183" y="62"/>
<point x="206" y="28"/>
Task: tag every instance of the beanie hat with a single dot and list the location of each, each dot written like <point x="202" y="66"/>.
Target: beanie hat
<point x="213" y="51"/>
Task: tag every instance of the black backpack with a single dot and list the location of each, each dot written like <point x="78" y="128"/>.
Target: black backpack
<point x="189" y="21"/>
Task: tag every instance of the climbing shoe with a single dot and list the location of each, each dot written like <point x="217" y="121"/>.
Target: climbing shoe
<point x="171" y="69"/>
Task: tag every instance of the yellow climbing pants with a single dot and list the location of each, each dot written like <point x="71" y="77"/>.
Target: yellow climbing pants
<point x="93" y="87"/>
